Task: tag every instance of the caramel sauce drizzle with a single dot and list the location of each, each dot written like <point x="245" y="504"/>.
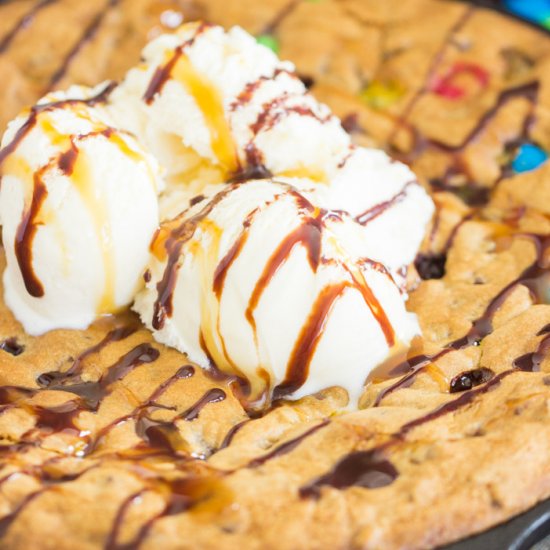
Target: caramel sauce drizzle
<point x="207" y="97"/>
<point x="369" y="469"/>
<point x="308" y="234"/>
<point x="36" y="110"/>
<point x="170" y="240"/>
<point x="76" y="165"/>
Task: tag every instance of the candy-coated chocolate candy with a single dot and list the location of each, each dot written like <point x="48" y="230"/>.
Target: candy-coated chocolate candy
<point x="269" y="41"/>
<point x="528" y="157"/>
<point x="380" y="95"/>
<point x="534" y="10"/>
<point x="447" y="85"/>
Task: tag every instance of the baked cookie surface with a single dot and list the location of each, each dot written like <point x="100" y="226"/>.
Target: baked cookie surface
<point x="110" y="440"/>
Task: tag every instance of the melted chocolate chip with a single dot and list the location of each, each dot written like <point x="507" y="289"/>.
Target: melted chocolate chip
<point x="469" y="379"/>
<point x="12" y="347"/>
<point x="430" y="266"/>
<point x="546" y="380"/>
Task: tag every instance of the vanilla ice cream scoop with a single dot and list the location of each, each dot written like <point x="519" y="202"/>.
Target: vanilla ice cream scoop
<point x="214" y="105"/>
<point x="78" y="206"/>
<point x="259" y="282"/>
<point x="384" y="197"/>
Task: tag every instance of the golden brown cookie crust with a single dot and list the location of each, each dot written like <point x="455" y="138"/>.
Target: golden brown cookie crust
<point x="162" y="454"/>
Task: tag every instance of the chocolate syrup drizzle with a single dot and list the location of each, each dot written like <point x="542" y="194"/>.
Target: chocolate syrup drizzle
<point x="27" y="229"/>
<point x="371" y="469"/>
<point x="163" y="73"/>
<point x="481" y="327"/>
<point x="25" y="234"/>
<point x="22" y="24"/>
<point x="89" y="32"/>
<point x="286" y="447"/>
<point x="285" y="11"/>
<point x="378" y="209"/>
<point x="436" y="62"/>
<point x="37" y="110"/>
<point x="48" y="379"/>
<point x="308" y="235"/>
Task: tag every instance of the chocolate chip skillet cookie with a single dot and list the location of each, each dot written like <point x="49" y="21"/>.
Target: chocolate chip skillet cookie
<point x="225" y="325"/>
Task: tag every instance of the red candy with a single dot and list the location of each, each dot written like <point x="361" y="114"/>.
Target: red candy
<point x="445" y="85"/>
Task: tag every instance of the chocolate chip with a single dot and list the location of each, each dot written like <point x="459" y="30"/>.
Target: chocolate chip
<point x="12" y="346"/>
<point x="430" y="266"/>
<point x="468" y="379"/>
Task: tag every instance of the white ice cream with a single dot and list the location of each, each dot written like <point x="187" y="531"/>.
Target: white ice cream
<point x="293" y="282"/>
<point x="222" y="101"/>
<point x="384" y="197"/>
<point x="78" y="205"/>
<point x="260" y="281"/>
<point x="221" y="95"/>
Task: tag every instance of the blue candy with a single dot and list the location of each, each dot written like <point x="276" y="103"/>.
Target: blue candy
<point x="528" y="158"/>
<point x="534" y="10"/>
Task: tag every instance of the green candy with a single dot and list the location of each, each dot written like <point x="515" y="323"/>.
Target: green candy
<point x="269" y="41"/>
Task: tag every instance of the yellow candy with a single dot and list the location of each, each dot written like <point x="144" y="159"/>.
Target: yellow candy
<point x="380" y="95"/>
